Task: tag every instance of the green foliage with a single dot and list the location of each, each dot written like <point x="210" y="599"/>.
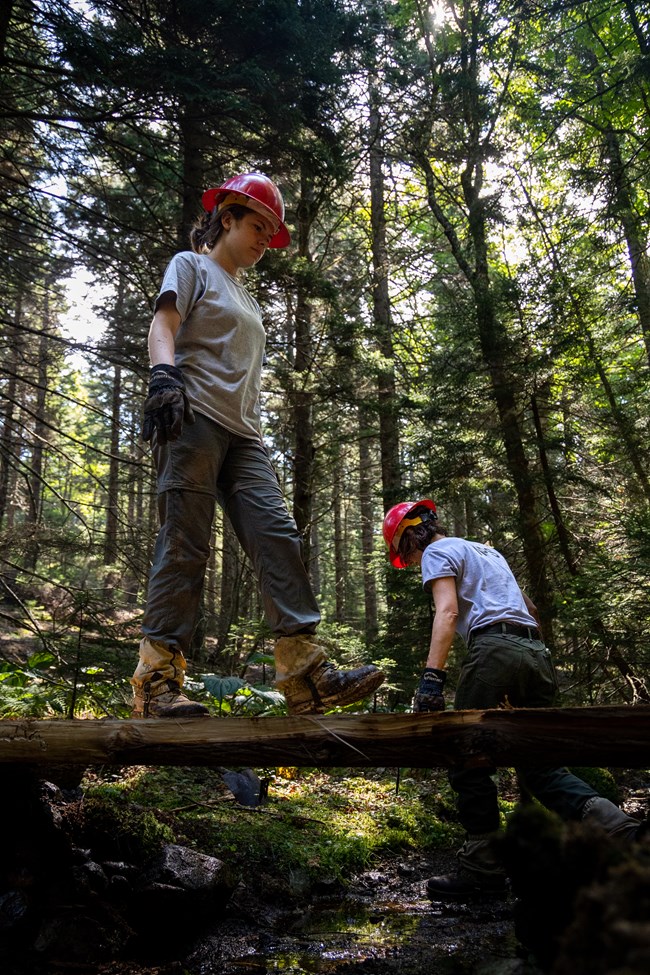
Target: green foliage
<point x="236" y="696"/>
<point x="515" y="197"/>
<point x="118" y="829"/>
<point x="315" y="825"/>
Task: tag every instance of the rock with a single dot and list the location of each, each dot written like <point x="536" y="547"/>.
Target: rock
<point x="13" y="908"/>
<point x="182" y="884"/>
<point x="90" y="875"/>
<point x="81" y="935"/>
<point x="181" y="867"/>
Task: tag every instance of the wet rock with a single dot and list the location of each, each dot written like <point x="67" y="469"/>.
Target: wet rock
<point x="327" y="887"/>
<point x="406" y="870"/>
<point x="13" y="909"/>
<point x="118" y="887"/>
<point x="182" y="884"/>
<point x="90" y="875"/>
<point x="75" y="934"/>
<point x="79" y="855"/>
<point x="188" y="870"/>
<point x="120" y="868"/>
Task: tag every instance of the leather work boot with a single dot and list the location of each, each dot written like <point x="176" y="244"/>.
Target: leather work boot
<point x="164" y="699"/>
<point x="313" y="684"/>
<point x="465" y="885"/>
<point x="327" y="687"/>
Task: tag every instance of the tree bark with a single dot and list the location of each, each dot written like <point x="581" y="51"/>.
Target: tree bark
<point x="35" y="481"/>
<point x="366" y="482"/>
<point x="112" y="516"/>
<point x="340" y="560"/>
<point x="624" y="210"/>
<point x="230" y="575"/>
<point x="6" y="11"/>
<point x="381" y="306"/>
<point x="602" y="736"/>
<point x="560" y="527"/>
<point x="8" y="446"/>
<point x="301" y="395"/>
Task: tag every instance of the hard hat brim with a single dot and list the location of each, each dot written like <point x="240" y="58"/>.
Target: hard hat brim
<point x="212" y="197"/>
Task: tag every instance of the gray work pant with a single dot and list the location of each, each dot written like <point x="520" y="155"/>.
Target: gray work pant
<point x="504" y="669"/>
<point x="207" y="464"/>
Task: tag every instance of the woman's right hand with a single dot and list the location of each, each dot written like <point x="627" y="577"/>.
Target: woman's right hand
<point x="166" y="407"/>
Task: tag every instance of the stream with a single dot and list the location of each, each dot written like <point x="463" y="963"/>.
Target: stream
<point x="383" y="924"/>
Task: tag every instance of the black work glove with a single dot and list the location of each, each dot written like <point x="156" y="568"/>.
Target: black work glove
<point x="428" y="696"/>
<point x="166" y="405"/>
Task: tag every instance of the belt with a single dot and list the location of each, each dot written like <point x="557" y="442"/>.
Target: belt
<point x="515" y="629"/>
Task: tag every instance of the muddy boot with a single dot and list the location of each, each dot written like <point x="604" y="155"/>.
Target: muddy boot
<point x="613" y="820"/>
<point x="311" y="684"/>
<point x="464" y="885"/>
<point x="481" y="872"/>
<point x="157" y="683"/>
<point x="163" y="698"/>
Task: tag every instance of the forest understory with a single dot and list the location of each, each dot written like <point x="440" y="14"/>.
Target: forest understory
<point x="161" y="871"/>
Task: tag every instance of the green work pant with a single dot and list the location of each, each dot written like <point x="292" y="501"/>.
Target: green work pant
<point x="501" y="669"/>
<point x="206" y="466"/>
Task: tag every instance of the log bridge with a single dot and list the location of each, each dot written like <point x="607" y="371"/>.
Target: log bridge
<point x="596" y="736"/>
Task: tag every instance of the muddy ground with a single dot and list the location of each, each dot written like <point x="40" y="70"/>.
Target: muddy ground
<point x="382" y="924"/>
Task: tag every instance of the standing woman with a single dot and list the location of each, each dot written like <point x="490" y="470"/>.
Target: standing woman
<point x="202" y="416"/>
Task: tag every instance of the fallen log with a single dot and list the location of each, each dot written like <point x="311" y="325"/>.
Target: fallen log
<point x="600" y="736"/>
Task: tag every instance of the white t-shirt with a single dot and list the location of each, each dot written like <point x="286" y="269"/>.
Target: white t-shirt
<point x="487" y="590"/>
<point x="220" y="343"/>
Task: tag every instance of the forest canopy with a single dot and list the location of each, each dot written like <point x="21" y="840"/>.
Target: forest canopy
<point x="463" y="314"/>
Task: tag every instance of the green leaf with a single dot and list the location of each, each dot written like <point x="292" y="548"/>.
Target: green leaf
<point x="221" y="687"/>
<point x="260" y="658"/>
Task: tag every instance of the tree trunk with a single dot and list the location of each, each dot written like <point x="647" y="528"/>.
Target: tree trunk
<point x="473" y="262"/>
<point x="634" y="451"/>
<point x="625" y="212"/>
<point x="339" y="545"/>
<point x="35" y="510"/>
<point x="301" y="395"/>
<point x="381" y="306"/>
<point x="601" y="736"/>
<point x="496" y="352"/>
<point x="8" y="445"/>
<point x="560" y="527"/>
<point x="111" y="547"/>
<point x="193" y="145"/>
<point x="367" y="518"/>
<point x="6" y="10"/>
<point x="230" y="553"/>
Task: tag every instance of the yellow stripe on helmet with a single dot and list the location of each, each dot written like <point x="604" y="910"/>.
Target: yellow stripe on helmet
<point x="401" y="528"/>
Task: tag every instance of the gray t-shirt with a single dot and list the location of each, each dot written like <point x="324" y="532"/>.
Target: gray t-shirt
<point x="220" y="343"/>
<point x="487" y="590"/>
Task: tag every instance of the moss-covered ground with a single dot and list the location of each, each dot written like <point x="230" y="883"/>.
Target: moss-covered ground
<point x="315" y="825"/>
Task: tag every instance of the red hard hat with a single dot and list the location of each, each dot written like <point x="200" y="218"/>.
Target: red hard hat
<point x="257" y="192"/>
<point x="396" y="520"/>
